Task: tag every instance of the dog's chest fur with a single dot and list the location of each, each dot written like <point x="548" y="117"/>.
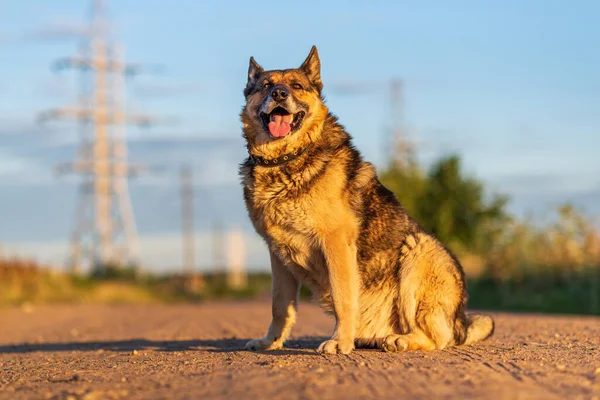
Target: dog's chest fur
<point x="292" y="208"/>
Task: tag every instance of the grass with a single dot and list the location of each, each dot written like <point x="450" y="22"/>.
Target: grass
<point x="551" y="293"/>
<point x="26" y="282"/>
<point x="546" y="267"/>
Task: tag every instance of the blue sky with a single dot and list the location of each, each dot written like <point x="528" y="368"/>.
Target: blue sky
<point x="513" y="86"/>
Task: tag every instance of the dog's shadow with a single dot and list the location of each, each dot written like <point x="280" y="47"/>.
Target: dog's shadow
<point x="304" y="345"/>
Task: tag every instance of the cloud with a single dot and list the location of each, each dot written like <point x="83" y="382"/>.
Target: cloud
<point x="588" y="201"/>
<point x="8" y="39"/>
<point x="54" y="87"/>
<point x="543" y="190"/>
<point x="10" y="164"/>
<point x="23" y="171"/>
<point x="57" y="29"/>
<point x="18" y="127"/>
<point x="530" y="183"/>
<point x="344" y="88"/>
<point x="31" y="152"/>
<point x="168" y="89"/>
<point x="207" y="141"/>
<point x="351" y="87"/>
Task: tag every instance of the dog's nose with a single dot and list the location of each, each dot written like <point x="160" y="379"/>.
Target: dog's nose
<point x="280" y="93"/>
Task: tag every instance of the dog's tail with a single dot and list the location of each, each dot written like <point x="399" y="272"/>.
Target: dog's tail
<point x="479" y="327"/>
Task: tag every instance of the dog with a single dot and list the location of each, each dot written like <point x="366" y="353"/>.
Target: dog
<point x="330" y="224"/>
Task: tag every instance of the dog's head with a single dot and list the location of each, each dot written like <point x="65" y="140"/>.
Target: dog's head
<point x="283" y="107"/>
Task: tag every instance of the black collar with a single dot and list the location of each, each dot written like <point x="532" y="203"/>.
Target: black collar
<point x="283" y="159"/>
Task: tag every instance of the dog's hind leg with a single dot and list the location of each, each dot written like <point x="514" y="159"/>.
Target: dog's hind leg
<point x="431" y="295"/>
<point x="285" y="292"/>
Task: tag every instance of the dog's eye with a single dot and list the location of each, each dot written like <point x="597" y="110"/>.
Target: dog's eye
<point x="266" y="85"/>
<point x="297" y="86"/>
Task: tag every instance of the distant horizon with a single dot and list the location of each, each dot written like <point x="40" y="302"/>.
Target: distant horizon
<point x="167" y="259"/>
<point x="162" y="252"/>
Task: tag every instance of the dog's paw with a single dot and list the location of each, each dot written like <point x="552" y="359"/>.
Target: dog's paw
<point x="335" y="347"/>
<point x="263" y="344"/>
<point x="393" y="343"/>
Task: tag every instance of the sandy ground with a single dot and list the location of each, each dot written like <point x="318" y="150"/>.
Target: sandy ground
<point x="196" y="352"/>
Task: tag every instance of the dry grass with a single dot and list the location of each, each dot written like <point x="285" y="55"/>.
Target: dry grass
<point x="552" y="266"/>
<point x="25" y="281"/>
<point x="569" y="245"/>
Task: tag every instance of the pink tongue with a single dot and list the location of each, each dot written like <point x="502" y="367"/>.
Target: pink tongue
<point x="280" y="125"/>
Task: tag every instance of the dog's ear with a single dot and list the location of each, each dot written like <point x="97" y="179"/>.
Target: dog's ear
<point x="312" y="68"/>
<point x="254" y="71"/>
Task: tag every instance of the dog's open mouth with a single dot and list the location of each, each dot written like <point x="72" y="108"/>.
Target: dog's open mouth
<point x="280" y="122"/>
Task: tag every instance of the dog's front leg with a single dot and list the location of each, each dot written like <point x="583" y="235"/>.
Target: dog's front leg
<point x="285" y="292"/>
<point x="340" y="254"/>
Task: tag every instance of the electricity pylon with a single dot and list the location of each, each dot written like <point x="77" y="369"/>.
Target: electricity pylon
<point x="403" y="150"/>
<point x="188" y="242"/>
<point x="105" y="231"/>
<point x="399" y="148"/>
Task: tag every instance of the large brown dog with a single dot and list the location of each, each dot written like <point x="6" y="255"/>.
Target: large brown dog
<point x="330" y="224"/>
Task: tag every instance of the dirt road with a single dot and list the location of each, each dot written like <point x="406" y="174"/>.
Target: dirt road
<point x="195" y="352"/>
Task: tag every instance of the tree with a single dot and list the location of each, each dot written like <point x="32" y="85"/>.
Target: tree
<point x="449" y="204"/>
<point x="408" y="184"/>
<point x="454" y="206"/>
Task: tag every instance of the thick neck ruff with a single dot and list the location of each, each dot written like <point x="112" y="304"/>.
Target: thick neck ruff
<point x="275" y="162"/>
